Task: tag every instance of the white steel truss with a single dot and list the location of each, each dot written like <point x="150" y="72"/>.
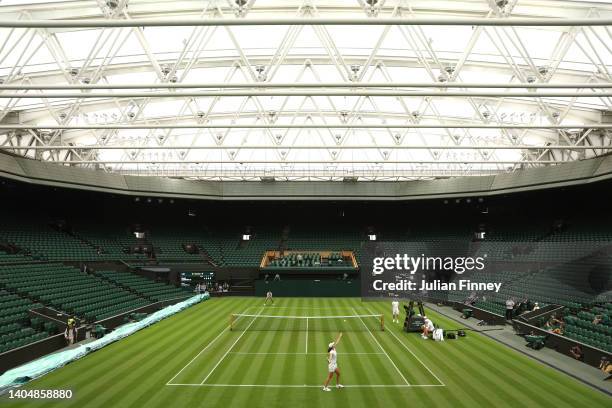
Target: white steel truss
<point x="306" y="89"/>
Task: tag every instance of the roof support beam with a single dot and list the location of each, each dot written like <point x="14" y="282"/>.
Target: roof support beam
<point x="194" y="22"/>
<point x="319" y="147"/>
<point x="264" y="93"/>
<point x="294" y="85"/>
<point x="291" y="162"/>
<point x="308" y="126"/>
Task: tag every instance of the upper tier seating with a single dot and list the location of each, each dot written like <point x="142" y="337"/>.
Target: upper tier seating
<point x="325" y="239"/>
<point x="6" y="258"/>
<point x="109" y="239"/>
<point x="45" y="243"/>
<point x="236" y="252"/>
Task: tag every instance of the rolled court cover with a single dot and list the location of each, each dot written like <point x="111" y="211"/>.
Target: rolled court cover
<point x="37" y="368"/>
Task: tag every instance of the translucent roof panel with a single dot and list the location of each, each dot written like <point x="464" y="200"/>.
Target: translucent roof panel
<point x="306" y="102"/>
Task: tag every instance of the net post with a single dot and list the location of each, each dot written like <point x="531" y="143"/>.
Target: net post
<point x="382" y="322"/>
<point x="231" y="325"/>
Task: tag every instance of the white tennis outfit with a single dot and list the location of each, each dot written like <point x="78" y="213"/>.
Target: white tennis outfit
<point x="395" y="306"/>
<point x="429" y="325"/>
<point x="333" y="361"/>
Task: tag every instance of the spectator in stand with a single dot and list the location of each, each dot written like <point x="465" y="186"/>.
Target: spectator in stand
<point x="554" y="325"/>
<point x="70" y="334"/>
<point x="536" y="306"/>
<point x="510" y="308"/>
<point x="576" y="352"/>
<point x="471" y="299"/>
<point x="598" y="319"/>
<point x="197" y="288"/>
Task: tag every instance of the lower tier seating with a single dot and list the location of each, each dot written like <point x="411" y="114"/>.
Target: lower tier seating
<point x="593" y="327"/>
<point x="143" y="286"/>
<point x="15" y="330"/>
<point x="68" y="289"/>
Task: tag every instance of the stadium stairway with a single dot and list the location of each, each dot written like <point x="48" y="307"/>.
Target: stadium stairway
<point x="206" y="257"/>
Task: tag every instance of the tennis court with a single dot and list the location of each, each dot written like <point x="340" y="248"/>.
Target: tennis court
<point x="290" y="345"/>
<point x="196" y="348"/>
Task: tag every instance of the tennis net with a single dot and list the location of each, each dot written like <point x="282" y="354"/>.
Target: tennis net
<point x="253" y="322"/>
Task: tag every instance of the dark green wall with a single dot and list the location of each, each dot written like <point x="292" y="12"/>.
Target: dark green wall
<point x="308" y="288"/>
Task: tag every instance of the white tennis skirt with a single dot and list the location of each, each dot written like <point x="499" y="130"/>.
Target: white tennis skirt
<point x="332" y="367"/>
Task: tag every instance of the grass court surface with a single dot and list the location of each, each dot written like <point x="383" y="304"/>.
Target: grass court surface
<point x="193" y="359"/>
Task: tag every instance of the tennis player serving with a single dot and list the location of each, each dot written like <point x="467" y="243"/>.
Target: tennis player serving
<point x="332" y="364"/>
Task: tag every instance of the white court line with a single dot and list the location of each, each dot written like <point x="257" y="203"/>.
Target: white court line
<point x="201" y="351"/>
<point x="306" y="337"/>
<point x="310" y="386"/>
<point x="298" y="354"/>
<point x="305" y="307"/>
<point x="415" y="356"/>
<point x="381" y="347"/>
<point x="231" y="347"/>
